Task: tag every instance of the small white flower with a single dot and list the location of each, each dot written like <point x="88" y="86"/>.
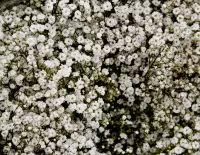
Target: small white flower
<point x="19" y="79"/>
<point x="41" y="17"/>
<point x="111" y="22"/>
<point x="89" y="143"/>
<point x="96" y="50"/>
<point x="187" y="117"/>
<point x="197" y="126"/>
<point x="12" y="73"/>
<point x="66" y="71"/>
<point x="107" y="6"/>
<point x="106" y="49"/>
<point x="68" y="41"/>
<point x="197" y="50"/>
<point x="66" y="12"/>
<point x="159" y="144"/>
<point x="31" y="41"/>
<point x="51" y="133"/>
<point x="195" y="145"/>
<point x="86" y="29"/>
<point x="51" y="19"/>
<point x="176" y="11"/>
<point x="80" y="39"/>
<point x="130" y="90"/>
<point x="88" y="47"/>
<point x="178" y="150"/>
<point x="80" y="108"/>
<point x="187" y="130"/>
<point x="41" y="105"/>
<point x="72" y="6"/>
<point x="1" y="35"/>
<point x="77" y="14"/>
<point x="72" y="107"/>
<point x="48" y="7"/>
<point x="174" y="140"/>
<point x="196" y="7"/>
<point x="187" y="103"/>
<point x="41" y="38"/>
<point x="49" y="64"/>
<point x="123" y="135"/>
<point x="15" y="141"/>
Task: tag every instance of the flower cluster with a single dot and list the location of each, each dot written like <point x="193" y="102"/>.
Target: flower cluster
<point x="95" y="77"/>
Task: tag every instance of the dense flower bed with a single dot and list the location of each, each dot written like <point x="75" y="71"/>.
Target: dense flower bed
<point x="96" y="77"/>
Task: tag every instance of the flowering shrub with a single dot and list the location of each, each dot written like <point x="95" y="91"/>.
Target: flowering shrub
<point x="95" y="77"/>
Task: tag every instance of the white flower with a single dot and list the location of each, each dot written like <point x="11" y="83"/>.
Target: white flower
<point x="178" y="150"/>
<point x="197" y="36"/>
<point x="130" y="90"/>
<point x="1" y="35"/>
<point x="28" y="10"/>
<point x="48" y="7"/>
<point x="100" y="90"/>
<point x="62" y="20"/>
<point x="187" y="117"/>
<point x="31" y="41"/>
<point x="197" y="126"/>
<point x="80" y="84"/>
<point x="96" y="50"/>
<point x="121" y="58"/>
<point x="159" y="144"/>
<point x="72" y="6"/>
<point x="196" y="7"/>
<point x="15" y="141"/>
<point x="41" y="38"/>
<point x="62" y="56"/>
<point x="187" y="130"/>
<point x="19" y="79"/>
<point x="106" y="49"/>
<point x="68" y="41"/>
<point x="81" y="139"/>
<point x="74" y="136"/>
<point x="41" y="17"/>
<point x="184" y="143"/>
<point x="105" y="71"/>
<point x="51" y="19"/>
<point x="80" y="39"/>
<point x="187" y="103"/>
<point x="174" y="140"/>
<point x="63" y="3"/>
<point x="195" y="107"/>
<point x="51" y="133"/>
<point x="197" y="50"/>
<point x="176" y="11"/>
<point x="146" y="147"/>
<point x="111" y="22"/>
<point x="72" y="107"/>
<point x="12" y="73"/>
<point x="4" y="133"/>
<point x="41" y="105"/>
<point x="88" y="47"/>
<point x="68" y="127"/>
<point x="49" y="64"/>
<point x="195" y="145"/>
<point x="99" y="35"/>
<point x="89" y="143"/>
<point x="81" y="107"/>
<point x="77" y="14"/>
<point x="66" y="12"/>
<point x="123" y="135"/>
<point x="71" y="98"/>
<point x="86" y="29"/>
<point x="107" y="6"/>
